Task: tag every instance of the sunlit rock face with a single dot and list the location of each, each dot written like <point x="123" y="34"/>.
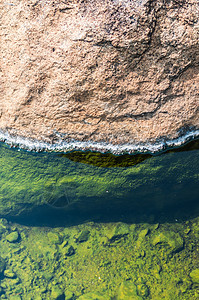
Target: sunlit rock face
<point x="119" y="71"/>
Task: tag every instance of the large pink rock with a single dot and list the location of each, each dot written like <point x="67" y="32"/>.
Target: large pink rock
<point x="117" y="71"/>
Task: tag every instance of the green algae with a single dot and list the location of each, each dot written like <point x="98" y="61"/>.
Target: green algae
<point x="30" y="180"/>
<point x="195" y="275"/>
<point x="105" y="266"/>
<point x="114" y="260"/>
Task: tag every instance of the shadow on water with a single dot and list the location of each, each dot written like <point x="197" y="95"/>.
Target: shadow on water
<point x="162" y="188"/>
<point x="146" y="206"/>
<point x="51" y="217"/>
<point x="109" y="160"/>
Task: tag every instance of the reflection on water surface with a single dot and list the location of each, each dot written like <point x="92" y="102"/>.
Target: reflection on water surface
<point x="78" y="231"/>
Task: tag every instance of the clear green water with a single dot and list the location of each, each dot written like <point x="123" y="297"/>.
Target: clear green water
<point x="71" y="230"/>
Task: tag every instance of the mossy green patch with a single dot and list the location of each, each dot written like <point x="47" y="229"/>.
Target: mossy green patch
<point x="54" y="238"/>
<point x="39" y="267"/>
<point x="57" y="293"/>
<point x="94" y="296"/>
<point x="83" y="237"/>
<point x="31" y="180"/>
<point x="128" y="291"/>
<point x="195" y="275"/>
<point x="172" y="239"/>
<point x="13" y="237"/>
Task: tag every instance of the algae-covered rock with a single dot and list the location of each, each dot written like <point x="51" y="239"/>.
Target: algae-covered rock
<point x="9" y="274"/>
<point x="83" y="237"/>
<point x="117" y="231"/>
<point x="68" y="295"/>
<point x="195" y="275"/>
<point x="94" y="296"/>
<point x="172" y="239"/>
<point x="54" y="238"/>
<point x="57" y="293"/>
<point x="68" y="250"/>
<point x="141" y="237"/>
<point x="142" y="290"/>
<point x="13" y="237"/>
<point x="15" y="297"/>
<point x="113" y="271"/>
<point x="128" y="290"/>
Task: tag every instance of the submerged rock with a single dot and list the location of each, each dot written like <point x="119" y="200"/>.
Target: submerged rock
<point x="68" y="295"/>
<point x="13" y="237"/>
<point x="54" y="238"/>
<point x="117" y="232"/>
<point x="83" y="237"/>
<point x="195" y="275"/>
<point x="68" y="250"/>
<point x="9" y="274"/>
<point x="114" y="71"/>
<point x="57" y="293"/>
<point x="143" y="290"/>
<point x="172" y="239"/>
<point x="128" y="290"/>
<point x="94" y="296"/>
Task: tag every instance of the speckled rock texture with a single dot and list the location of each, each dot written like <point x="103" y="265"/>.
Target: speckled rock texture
<point x="118" y="71"/>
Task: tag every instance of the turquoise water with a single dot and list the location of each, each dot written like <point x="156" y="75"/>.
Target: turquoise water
<point x="72" y="230"/>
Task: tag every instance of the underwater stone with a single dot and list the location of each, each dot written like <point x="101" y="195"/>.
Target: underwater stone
<point x="9" y="274"/>
<point x="173" y="239"/>
<point x="83" y="237"/>
<point x="68" y="295"/>
<point x="128" y="290"/>
<point x="143" y="233"/>
<point x="3" y="223"/>
<point x="94" y="296"/>
<point x="141" y="236"/>
<point x="13" y="237"/>
<point x="57" y="293"/>
<point x="195" y="275"/>
<point x="69" y="250"/>
<point x="143" y="290"/>
<point x="15" y="297"/>
<point x="117" y="232"/>
<point x="65" y="243"/>
<point x="54" y="238"/>
<point x="140" y="253"/>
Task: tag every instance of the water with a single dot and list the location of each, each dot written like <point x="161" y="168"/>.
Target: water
<point x="80" y="231"/>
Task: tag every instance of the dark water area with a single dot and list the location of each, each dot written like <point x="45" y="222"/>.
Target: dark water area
<point x="108" y="160"/>
<point x="59" y="191"/>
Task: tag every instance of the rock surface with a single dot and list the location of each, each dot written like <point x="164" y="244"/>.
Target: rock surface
<point x="115" y="71"/>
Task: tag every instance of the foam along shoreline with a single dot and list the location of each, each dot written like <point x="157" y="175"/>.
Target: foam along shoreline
<point x="64" y="146"/>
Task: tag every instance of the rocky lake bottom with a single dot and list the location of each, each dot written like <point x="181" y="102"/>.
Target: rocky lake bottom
<point x="72" y="230"/>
